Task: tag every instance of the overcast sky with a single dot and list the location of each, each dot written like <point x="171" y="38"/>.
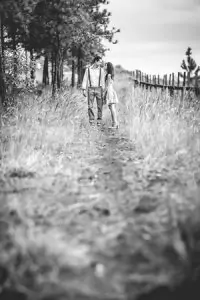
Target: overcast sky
<point x="154" y="34"/>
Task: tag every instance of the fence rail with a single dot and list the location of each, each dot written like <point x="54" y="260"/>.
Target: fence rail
<point x="182" y="81"/>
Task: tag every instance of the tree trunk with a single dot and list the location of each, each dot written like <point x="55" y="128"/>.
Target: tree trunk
<point x="53" y="73"/>
<point x="62" y="71"/>
<point x="27" y="67"/>
<point x="80" y="71"/>
<point x="52" y="78"/>
<point x="2" y="90"/>
<point x="46" y="71"/>
<point x="73" y="73"/>
<point x="2" y="81"/>
<point x="59" y="63"/>
<point x="80" y="66"/>
<point x="32" y="65"/>
<point x="58" y="79"/>
<point x="57" y="70"/>
<point x="15" y="62"/>
<point x="2" y="44"/>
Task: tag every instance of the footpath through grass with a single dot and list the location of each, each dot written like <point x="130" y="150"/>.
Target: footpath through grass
<point x="95" y="214"/>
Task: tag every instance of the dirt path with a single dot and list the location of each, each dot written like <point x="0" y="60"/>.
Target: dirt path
<point x="98" y="234"/>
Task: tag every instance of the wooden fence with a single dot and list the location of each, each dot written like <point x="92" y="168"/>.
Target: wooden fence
<point x="180" y="82"/>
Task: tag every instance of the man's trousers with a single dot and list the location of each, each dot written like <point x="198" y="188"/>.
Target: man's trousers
<point x="95" y="92"/>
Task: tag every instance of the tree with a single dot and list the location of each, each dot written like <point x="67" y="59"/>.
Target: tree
<point x="189" y="65"/>
<point x="2" y="79"/>
<point x="90" y="35"/>
<point x="61" y="31"/>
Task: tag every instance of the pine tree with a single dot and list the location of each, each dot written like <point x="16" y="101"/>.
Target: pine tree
<point x="189" y="65"/>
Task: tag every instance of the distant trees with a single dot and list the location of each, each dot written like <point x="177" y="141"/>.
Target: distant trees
<point x="59" y="30"/>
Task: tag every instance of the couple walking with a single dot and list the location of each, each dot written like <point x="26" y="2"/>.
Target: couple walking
<point x="98" y="82"/>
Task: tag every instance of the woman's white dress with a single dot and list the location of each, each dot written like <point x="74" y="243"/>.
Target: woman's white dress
<point x="111" y="95"/>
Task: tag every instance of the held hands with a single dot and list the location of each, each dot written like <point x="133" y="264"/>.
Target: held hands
<point x="105" y="98"/>
<point x="84" y="93"/>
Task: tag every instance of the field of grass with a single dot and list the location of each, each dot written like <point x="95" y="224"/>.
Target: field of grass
<point x="88" y="213"/>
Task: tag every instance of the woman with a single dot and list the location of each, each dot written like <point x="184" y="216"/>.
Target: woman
<point x="110" y="96"/>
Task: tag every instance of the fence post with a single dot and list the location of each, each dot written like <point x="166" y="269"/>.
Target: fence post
<point x="150" y="80"/>
<point x="196" y="84"/>
<point x="167" y="84"/>
<point x="178" y="79"/>
<point x="163" y="83"/>
<point x="166" y="80"/>
<point x="188" y="79"/>
<point x="183" y="88"/>
<point x="184" y="77"/>
<point x="173" y="79"/>
<point x="137" y="75"/>
<point x="170" y="76"/>
<point x="142" y="76"/>
<point x="172" y="88"/>
<point x="196" y="80"/>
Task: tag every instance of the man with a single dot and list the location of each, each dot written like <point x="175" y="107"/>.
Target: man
<point x="94" y="83"/>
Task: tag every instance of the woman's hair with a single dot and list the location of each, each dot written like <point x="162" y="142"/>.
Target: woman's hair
<point x="110" y="70"/>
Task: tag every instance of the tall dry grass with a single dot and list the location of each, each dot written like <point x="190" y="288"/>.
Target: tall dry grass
<point x="166" y="132"/>
<point x="38" y="133"/>
<point x="53" y="136"/>
<point x="164" y="128"/>
<point x="163" y="125"/>
<point x="46" y="136"/>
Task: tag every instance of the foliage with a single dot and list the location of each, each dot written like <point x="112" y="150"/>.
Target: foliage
<point x="190" y="64"/>
<point x="60" y="30"/>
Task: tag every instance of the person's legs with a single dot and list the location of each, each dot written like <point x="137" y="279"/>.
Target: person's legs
<point x="91" y="96"/>
<point x="113" y="114"/>
<point x="99" y="97"/>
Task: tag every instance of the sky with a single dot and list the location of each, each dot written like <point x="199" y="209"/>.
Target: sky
<point x="154" y="34"/>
